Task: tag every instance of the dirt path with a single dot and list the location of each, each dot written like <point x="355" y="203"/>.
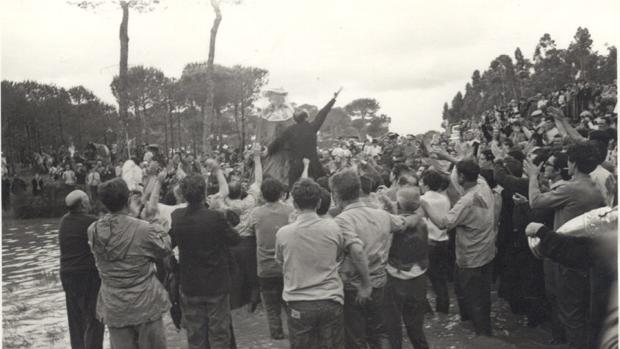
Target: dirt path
<point x="442" y="331"/>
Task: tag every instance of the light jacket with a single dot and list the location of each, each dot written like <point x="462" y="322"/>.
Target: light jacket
<point x="125" y="249"/>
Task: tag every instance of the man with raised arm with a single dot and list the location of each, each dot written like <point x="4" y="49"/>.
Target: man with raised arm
<point x="300" y="139"/>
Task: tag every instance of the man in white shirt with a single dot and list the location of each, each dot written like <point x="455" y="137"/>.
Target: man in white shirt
<point x="69" y="176"/>
<point x="93" y="179"/>
<point x="438" y="251"/>
<point x="473" y="218"/>
<point x="373" y="149"/>
<point x="341" y="151"/>
<point x="310" y="250"/>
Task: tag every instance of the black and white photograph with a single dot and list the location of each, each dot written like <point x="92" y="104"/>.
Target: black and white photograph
<point x="309" y="174"/>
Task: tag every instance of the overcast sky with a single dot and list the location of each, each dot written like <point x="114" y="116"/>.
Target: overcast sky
<point x="411" y="56"/>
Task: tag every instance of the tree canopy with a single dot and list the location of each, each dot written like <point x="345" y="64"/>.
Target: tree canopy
<point x="550" y="69"/>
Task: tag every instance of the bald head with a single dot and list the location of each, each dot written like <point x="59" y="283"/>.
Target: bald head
<point x="408" y="199"/>
<point x="77" y="200"/>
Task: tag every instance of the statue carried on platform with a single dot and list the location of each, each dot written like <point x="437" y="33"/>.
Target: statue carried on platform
<point x="289" y="146"/>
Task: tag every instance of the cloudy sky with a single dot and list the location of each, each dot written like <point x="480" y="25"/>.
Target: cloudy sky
<point x="411" y="56"/>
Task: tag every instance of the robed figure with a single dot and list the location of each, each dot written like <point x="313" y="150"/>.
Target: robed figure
<point x="276" y="117"/>
<point x="299" y="141"/>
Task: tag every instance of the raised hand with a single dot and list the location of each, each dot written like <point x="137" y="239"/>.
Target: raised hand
<point x="337" y="93"/>
<point x="497" y="151"/>
<point x="257" y="150"/>
<point x="531" y="169"/>
<point x="529" y="147"/>
<point x="161" y="176"/>
<point x="519" y="199"/>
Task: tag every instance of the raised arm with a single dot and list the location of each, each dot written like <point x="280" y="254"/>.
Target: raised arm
<point x="214" y="167"/>
<point x="564" y="127"/>
<point x="258" y="165"/>
<point x="538" y="199"/>
<point x="320" y="117"/>
<point x="306" y="162"/>
<point x="507" y="180"/>
<point x="527" y="132"/>
<point x="151" y="206"/>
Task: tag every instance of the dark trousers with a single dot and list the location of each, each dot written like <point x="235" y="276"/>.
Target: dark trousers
<point x="81" y="290"/>
<point x="406" y="299"/>
<point x="6" y="201"/>
<point x="149" y="335"/>
<point x="207" y="321"/>
<point x="473" y="292"/>
<point x="523" y="282"/>
<point x="551" y="271"/>
<point x="271" y="295"/>
<point x="364" y="324"/>
<point x="573" y="296"/>
<point x="6" y="194"/>
<point x="94" y="194"/>
<point x="315" y="324"/>
<point x="452" y="249"/>
<point x="296" y="168"/>
<point x="438" y="271"/>
<point x="244" y="278"/>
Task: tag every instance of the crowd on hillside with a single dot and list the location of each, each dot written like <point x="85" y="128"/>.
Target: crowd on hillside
<point x="346" y="249"/>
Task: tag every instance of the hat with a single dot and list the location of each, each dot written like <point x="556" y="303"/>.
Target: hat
<point x="585" y="113"/>
<point x="74" y="197"/>
<point x="537" y="112"/>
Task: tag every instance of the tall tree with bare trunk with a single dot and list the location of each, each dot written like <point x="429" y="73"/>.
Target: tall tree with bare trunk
<point x="123" y="67"/>
<point x="209" y="103"/>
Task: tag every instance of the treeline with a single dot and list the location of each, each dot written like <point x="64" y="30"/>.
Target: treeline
<point x="550" y="69"/>
<point x="164" y="110"/>
<point x="39" y="117"/>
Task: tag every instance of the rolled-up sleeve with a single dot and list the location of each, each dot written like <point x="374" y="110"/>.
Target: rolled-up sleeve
<point x="460" y="210"/>
<point x="348" y="233"/>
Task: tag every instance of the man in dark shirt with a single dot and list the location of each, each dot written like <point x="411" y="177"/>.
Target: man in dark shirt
<point x="78" y="273"/>
<point x="203" y="237"/>
<point x="300" y="139"/>
<point x="6" y="192"/>
<point x="80" y="175"/>
<point x="37" y="185"/>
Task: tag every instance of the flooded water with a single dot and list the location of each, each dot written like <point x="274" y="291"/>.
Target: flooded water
<point x="33" y="304"/>
<point x="33" y="301"/>
<point x="34" y="314"/>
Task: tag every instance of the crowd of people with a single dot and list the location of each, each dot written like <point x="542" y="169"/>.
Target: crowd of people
<point x="346" y="244"/>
